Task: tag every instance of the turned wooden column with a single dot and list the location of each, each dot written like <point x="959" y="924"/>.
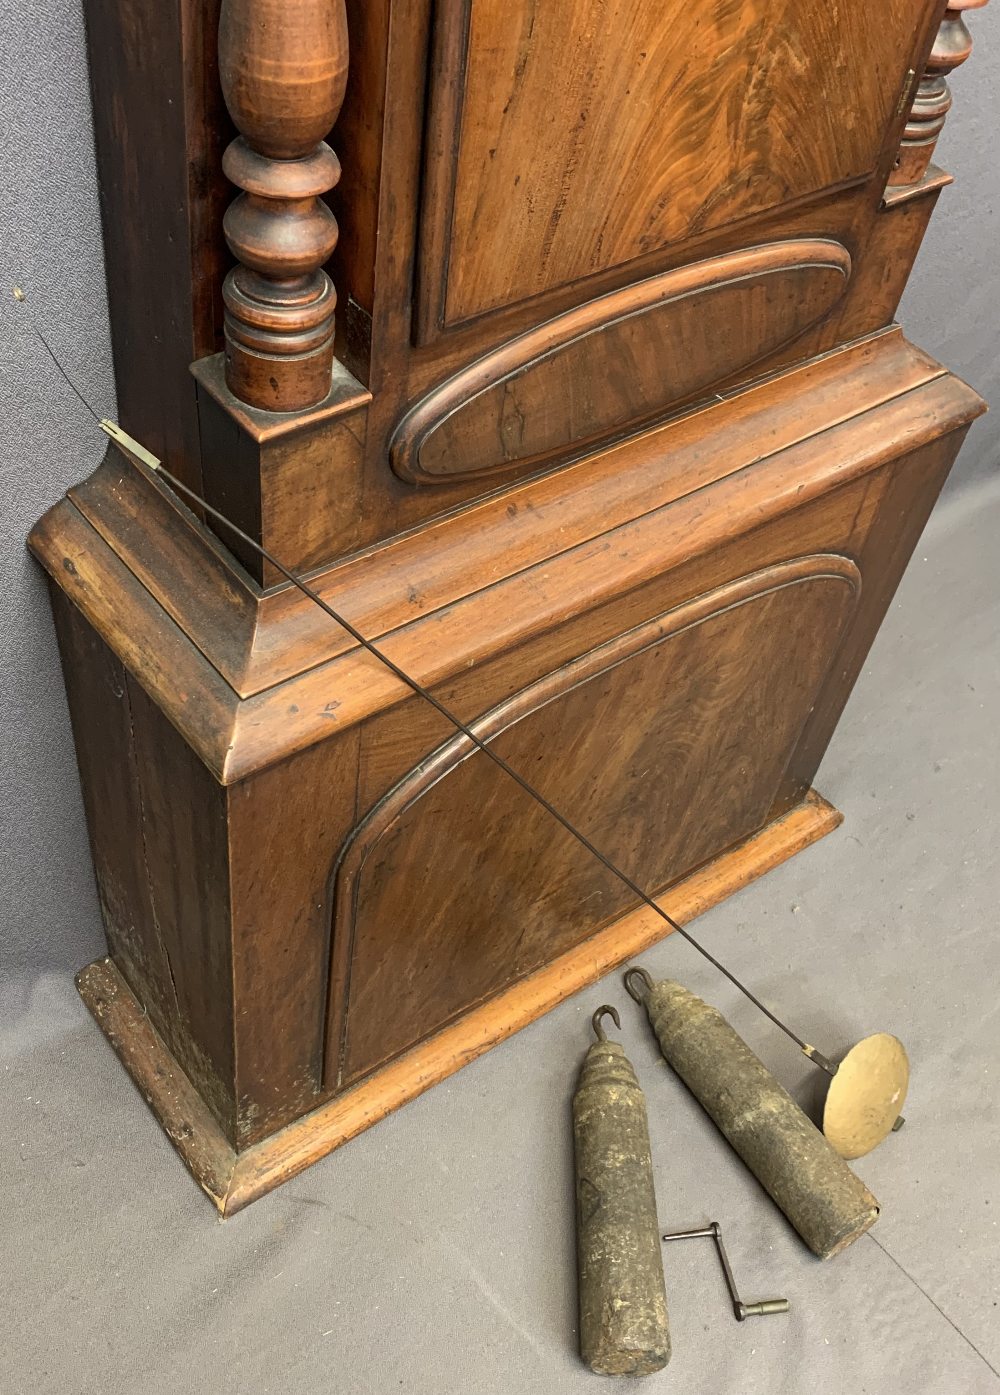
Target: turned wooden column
<point x="933" y="100"/>
<point x="282" y="424"/>
<point x="283" y="66"/>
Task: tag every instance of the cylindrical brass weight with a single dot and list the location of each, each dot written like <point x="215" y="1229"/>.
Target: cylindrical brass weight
<point x="785" y="1151"/>
<point x="623" y="1302"/>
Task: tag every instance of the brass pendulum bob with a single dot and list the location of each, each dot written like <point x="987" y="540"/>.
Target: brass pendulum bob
<point x="623" y="1302"/>
<point x="782" y="1147"/>
<point x="866" y="1093"/>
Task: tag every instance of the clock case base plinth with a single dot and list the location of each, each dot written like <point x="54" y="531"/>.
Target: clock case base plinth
<point x="233" y="1180"/>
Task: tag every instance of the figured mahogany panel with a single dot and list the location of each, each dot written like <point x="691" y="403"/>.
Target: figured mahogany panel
<point x="566" y="139"/>
<point x="619" y="361"/>
<point x="665" y="745"/>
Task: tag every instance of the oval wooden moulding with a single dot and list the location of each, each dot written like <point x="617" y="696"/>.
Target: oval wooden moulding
<point x="619" y="362"/>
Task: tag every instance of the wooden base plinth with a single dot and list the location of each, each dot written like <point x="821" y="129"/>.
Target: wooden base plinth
<point x="232" y="1180"/>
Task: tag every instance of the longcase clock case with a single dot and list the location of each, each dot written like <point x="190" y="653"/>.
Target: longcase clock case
<point x="594" y="417"/>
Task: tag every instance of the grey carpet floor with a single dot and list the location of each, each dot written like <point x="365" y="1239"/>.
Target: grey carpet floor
<point x="435" y="1254"/>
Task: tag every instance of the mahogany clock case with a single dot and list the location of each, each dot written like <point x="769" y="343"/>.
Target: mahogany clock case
<point x="620" y="454"/>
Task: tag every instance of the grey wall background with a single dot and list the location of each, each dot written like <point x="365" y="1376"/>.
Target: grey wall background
<point x="50" y="246"/>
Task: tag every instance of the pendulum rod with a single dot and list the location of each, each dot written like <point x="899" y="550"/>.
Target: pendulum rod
<point x="137" y="452"/>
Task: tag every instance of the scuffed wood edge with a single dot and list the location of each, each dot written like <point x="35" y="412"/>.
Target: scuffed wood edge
<point x="233" y="1181"/>
<point x="180" y="1110"/>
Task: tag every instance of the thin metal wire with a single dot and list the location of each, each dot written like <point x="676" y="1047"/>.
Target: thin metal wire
<point x="51" y="353"/>
<point x="115" y="432"/>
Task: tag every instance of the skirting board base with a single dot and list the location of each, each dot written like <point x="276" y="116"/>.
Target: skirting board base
<point x="232" y="1180"/>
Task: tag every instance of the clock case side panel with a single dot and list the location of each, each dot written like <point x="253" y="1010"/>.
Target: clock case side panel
<point x="157" y="103"/>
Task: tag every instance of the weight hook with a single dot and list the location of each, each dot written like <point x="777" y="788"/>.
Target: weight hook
<point x="612" y="1012"/>
<point x="633" y="993"/>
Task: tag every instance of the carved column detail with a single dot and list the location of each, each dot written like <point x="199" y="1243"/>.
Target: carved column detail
<point x="933" y="100"/>
<point x="283" y="65"/>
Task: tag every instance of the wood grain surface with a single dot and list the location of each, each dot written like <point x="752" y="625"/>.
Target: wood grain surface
<point x="618" y="362"/>
<point x="653" y="731"/>
<point x="158" y="105"/>
<point x="665" y="121"/>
